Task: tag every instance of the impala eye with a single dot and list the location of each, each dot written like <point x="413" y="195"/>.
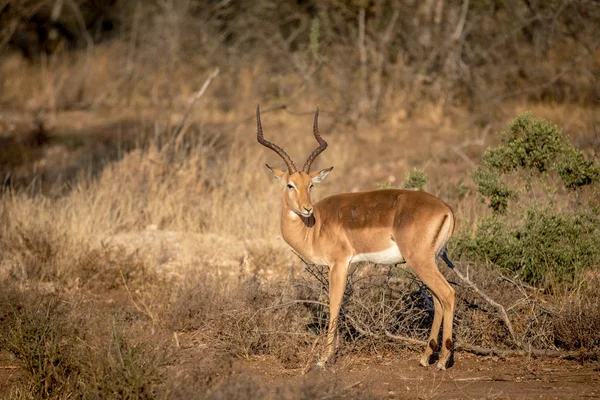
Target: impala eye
<point x="290" y="186"/>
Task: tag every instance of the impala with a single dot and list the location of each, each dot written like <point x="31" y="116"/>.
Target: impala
<point x="382" y="227"/>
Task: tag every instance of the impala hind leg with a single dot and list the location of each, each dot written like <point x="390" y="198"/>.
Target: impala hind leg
<point x="337" y="284"/>
<point x="432" y="343"/>
<point x="428" y="272"/>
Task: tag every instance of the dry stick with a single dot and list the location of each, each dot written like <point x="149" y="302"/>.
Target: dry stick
<point x="405" y="339"/>
<point x="197" y="96"/>
<point x="484" y="351"/>
<point x="461" y="23"/>
<point x="362" y="51"/>
<point x="491" y="301"/>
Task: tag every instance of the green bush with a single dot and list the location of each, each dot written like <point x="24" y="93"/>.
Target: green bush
<point x="416" y="179"/>
<point x="545" y="248"/>
<point x="530" y="149"/>
<point x="545" y="243"/>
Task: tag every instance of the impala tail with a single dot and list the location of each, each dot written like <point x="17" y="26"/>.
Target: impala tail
<point x="444" y="256"/>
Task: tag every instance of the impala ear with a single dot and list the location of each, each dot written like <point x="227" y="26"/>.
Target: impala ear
<point x="277" y="173"/>
<point x="317" y="177"/>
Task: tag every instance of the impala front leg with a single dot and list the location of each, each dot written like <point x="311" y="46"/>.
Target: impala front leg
<point x="337" y="283"/>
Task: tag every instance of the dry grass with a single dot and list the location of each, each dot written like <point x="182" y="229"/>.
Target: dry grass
<point x="104" y="272"/>
<point x="118" y="264"/>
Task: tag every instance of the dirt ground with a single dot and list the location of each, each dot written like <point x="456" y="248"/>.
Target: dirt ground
<point x="398" y="376"/>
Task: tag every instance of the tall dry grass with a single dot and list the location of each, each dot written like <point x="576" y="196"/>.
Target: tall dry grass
<point x="115" y="278"/>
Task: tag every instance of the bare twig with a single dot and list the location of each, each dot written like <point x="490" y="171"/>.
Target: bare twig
<point x="405" y="339"/>
<point x="56" y="10"/>
<point x="193" y="101"/>
<point x="491" y="301"/>
<point x="461" y="23"/>
<point x="465" y="157"/>
<point x="362" y="51"/>
<point x="493" y="351"/>
<point x="471" y="142"/>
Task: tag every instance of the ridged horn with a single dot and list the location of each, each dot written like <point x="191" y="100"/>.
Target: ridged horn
<point x="259" y="135"/>
<point x="318" y="150"/>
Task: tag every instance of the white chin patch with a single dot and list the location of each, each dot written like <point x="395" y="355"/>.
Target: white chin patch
<point x="299" y="214"/>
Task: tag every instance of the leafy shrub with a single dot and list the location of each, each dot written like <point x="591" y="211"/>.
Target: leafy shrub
<point x="416" y="179"/>
<point x="544" y="248"/>
<point x="531" y="147"/>
<point x="543" y="243"/>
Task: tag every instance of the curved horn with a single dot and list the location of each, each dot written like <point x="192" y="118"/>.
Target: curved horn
<point x="318" y="150"/>
<point x="259" y="135"/>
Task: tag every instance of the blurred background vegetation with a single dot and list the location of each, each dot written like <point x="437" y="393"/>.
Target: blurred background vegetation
<point x="139" y="235"/>
<point x="367" y="58"/>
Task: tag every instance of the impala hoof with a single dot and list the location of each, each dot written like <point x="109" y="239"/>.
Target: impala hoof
<point x="441" y="366"/>
<point x="315" y="367"/>
<point x="424" y="361"/>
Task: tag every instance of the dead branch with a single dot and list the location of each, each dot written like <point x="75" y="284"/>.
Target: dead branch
<point x="362" y="51"/>
<point x="491" y="301"/>
<point x="471" y="142"/>
<point x="485" y="351"/>
<point x="461" y="23"/>
<point x="405" y="339"/>
<point x="190" y="107"/>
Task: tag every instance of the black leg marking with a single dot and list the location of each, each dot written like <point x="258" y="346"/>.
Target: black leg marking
<point x="433" y="345"/>
<point x="449" y="344"/>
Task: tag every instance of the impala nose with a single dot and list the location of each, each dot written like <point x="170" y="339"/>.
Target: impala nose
<point x="308" y="210"/>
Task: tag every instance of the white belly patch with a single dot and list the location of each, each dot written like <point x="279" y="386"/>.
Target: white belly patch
<point x="388" y="256"/>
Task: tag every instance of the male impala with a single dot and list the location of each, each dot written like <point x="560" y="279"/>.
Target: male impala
<point x="382" y="226"/>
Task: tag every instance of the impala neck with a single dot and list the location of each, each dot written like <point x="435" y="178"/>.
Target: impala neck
<point x="299" y="231"/>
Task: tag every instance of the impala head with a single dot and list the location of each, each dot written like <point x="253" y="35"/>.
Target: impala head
<point x="296" y="184"/>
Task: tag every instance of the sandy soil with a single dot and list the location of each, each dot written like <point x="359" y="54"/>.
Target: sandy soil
<point x="398" y="376"/>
